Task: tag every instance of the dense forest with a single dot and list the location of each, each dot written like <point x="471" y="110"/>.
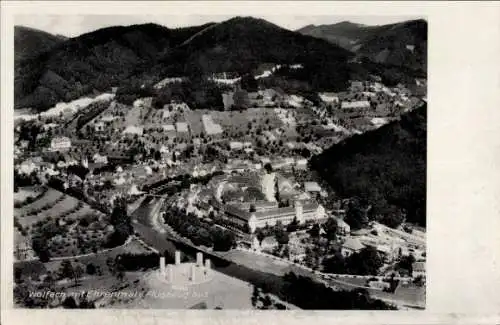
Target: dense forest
<point x="30" y="42"/>
<point x="385" y="168"/>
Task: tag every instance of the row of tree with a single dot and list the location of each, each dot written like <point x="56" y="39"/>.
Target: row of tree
<point x="190" y="226"/>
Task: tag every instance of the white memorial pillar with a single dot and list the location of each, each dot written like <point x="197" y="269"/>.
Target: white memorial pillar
<point x="162" y="265"/>
<point x="193" y="273"/>
<point x="207" y="266"/>
<point x="170" y="273"/>
<point x="177" y="257"/>
<point x="199" y="259"/>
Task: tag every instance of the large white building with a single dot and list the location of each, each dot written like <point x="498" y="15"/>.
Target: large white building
<point x="270" y="217"/>
<point x="357" y="105"/>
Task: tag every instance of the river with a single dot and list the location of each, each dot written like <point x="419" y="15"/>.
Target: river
<point x="142" y="225"/>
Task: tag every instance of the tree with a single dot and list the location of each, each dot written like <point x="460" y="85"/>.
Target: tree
<point x="260" y="235"/>
<point x="406" y="262"/>
<point x="70" y="303"/>
<point x="293" y="226"/>
<point x="110" y="263"/>
<point x="66" y="270"/>
<point x="355" y="216"/>
<point x="335" y="264"/>
<point x="314" y="231"/>
<point x="255" y="296"/>
<point x="392" y="217"/>
<point x="252" y="208"/>
<point x="331" y="228"/>
<point x="267" y="302"/>
<point x="90" y="269"/>
<point x="366" y="262"/>
<point x="77" y="274"/>
<point x="249" y="83"/>
<point x="222" y="240"/>
<point x="281" y="236"/>
<point x="40" y="246"/>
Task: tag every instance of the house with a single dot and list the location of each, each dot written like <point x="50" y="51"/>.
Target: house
<point x="418" y="269"/>
<point x="168" y="127"/>
<point x="134" y="190"/>
<point x="387" y="251"/>
<point x="235" y="145"/>
<point x="329" y="98"/>
<point x="356" y="86"/>
<point x="61" y="164"/>
<point x="99" y="127"/>
<point x="301" y="164"/>
<point x="312" y="187"/>
<point x="283" y="163"/>
<point x="269" y="94"/>
<point x="210" y="127"/>
<point x="132" y="130"/>
<point x="295" y="101"/>
<point x="98" y="159"/>
<point x="356" y="105"/>
<point x="268" y="243"/>
<point x="351" y="246"/>
<point x="343" y="227"/>
<point x="27" y="167"/>
<point x="60" y="144"/>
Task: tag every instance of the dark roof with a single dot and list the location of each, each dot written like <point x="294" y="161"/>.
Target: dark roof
<point x="237" y="212"/>
<point x="273" y="213"/>
<point x="310" y="207"/>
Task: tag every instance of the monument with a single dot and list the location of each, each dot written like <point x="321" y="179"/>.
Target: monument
<point x="162" y="264"/>
<point x="187" y="273"/>
<point x="199" y="259"/>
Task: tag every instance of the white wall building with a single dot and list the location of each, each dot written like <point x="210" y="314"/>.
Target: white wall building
<point x="60" y="144"/>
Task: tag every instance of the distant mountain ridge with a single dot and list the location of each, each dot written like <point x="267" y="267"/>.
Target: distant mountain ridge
<point x="30" y="42"/>
<point x="96" y="61"/>
<point x="93" y="61"/>
<point x="400" y="44"/>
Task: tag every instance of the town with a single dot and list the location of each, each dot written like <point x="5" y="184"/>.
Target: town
<point x="124" y="171"/>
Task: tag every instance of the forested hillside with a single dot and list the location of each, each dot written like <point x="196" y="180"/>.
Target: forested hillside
<point x="30" y="42"/>
<point x="385" y="167"/>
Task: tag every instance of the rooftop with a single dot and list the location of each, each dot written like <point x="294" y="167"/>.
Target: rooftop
<point x="353" y="244"/>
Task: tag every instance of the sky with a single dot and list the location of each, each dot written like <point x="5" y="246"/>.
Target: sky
<point x="74" y="25"/>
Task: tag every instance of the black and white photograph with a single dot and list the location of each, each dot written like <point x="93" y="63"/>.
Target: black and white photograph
<point x="220" y="162"/>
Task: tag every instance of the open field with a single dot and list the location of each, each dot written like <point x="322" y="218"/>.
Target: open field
<point x="53" y="204"/>
<point x="74" y="226"/>
<point x="235" y="121"/>
<point x="48" y="199"/>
